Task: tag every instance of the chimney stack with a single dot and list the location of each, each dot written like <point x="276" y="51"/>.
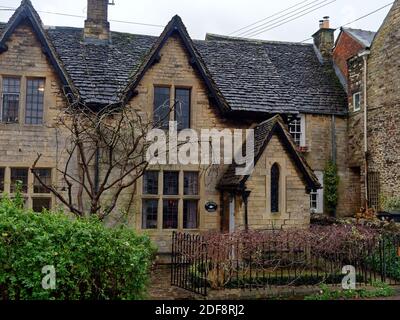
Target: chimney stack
<point x="324" y="39"/>
<point x="97" y="27"/>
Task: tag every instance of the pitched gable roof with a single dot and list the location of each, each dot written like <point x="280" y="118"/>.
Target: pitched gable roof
<point x="272" y="76"/>
<point x="262" y="136"/>
<point x="26" y="12"/>
<point x="176" y="26"/>
<point x="364" y="37"/>
<point x="262" y="78"/>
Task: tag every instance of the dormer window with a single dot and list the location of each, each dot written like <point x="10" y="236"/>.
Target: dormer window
<point x="10" y="99"/>
<point x="357" y="101"/>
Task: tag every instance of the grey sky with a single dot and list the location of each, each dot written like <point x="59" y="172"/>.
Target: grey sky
<point x="213" y="16"/>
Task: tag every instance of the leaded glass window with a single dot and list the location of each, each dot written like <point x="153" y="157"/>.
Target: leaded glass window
<point x="275" y="174"/>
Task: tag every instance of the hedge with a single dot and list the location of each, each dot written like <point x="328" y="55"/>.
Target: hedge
<point x="91" y="262"/>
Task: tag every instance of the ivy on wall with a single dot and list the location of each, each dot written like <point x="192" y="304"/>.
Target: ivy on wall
<point x="331" y="182"/>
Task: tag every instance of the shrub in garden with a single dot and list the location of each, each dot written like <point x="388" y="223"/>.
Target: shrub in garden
<point x="280" y="257"/>
<point x="90" y="260"/>
<point x="331" y="182"/>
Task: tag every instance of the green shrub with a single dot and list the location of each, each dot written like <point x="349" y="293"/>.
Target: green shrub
<point x="390" y="203"/>
<point x="90" y="260"/>
<point x="379" y="290"/>
<point x="331" y="182"/>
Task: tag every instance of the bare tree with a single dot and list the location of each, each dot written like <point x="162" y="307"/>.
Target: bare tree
<point x="105" y="155"/>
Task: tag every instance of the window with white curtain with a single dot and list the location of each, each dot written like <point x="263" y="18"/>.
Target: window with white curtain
<point x="317" y="196"/>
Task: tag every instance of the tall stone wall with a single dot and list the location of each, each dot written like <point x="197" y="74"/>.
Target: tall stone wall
<point x="384" y="104"/>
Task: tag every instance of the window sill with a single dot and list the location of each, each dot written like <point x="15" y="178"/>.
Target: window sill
<point x="19" y="126"/>
<point x="303" y="149"/>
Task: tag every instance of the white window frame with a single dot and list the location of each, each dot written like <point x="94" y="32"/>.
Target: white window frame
<point x="319" y="193"/>
<point x="354" y="101"/>
<point x="302" y="119"/>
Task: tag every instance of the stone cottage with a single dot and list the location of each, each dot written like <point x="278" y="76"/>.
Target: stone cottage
<point x="288" y="93"/>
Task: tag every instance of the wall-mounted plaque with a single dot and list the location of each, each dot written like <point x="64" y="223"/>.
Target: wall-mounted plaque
<point x="211" y="206"/>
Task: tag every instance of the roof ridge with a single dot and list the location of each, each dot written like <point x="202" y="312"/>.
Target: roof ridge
<point x="270" y="120"/>
<point x="222" y="38"/>
<point x="358" y="29"/>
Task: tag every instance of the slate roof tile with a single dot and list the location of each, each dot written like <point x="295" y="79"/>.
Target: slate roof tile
<point x="256" y="76"/>
<point x="365" y="37"/>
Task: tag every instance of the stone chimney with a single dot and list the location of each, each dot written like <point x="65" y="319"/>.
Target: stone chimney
<point x="97" y="27"/>
<point x="324" y="39"/>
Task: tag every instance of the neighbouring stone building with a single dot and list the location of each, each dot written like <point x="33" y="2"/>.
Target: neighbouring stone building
<point x="348" y="59"/>
<point x="368" y="65"/>
<point x="291" y="94"/>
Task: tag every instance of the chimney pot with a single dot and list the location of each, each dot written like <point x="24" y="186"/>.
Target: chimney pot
<point x="324" y="39"/>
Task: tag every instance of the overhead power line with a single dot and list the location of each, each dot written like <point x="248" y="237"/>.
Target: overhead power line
<point x="358" y="19"/>
<point x="271" y="16"/>
<point x="282" y="17"/>
<point x="285" y="21"/>
<point x="83" y="17"/>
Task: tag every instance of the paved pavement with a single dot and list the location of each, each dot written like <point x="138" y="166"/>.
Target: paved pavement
<point x="161" y="289"/>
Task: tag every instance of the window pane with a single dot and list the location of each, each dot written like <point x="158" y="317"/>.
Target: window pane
<point x="161" y="107"/>
<point x="191" y="183"/>
<point x="11" y="90"/>
<point x="19" y="174"/>
<point x="275" y="188"/>
<point x="150" y="182"/>
<point x="357" y="101"/>
<point x="295" y="130"/>
<point x="149" y="214"/>
<point x="313" y="200"/>
<point x="34" y="101"/>
<point x="45" y="176"/>
<point x="171" y="183"/>
<point x="190" y="214"/>
<point x="40" y="204"/>
<point x="170" y="214"/>
<point x="182" y="108"/>
<point x="1" y="179"/>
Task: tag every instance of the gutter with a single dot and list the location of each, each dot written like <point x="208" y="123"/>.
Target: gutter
<point x="365" y="54"/>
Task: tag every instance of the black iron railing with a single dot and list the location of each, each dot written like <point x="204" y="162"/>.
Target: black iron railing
<point x="198" y="264"/>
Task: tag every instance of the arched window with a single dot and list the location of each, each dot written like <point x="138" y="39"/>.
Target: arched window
<point x="275" y="188"/>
